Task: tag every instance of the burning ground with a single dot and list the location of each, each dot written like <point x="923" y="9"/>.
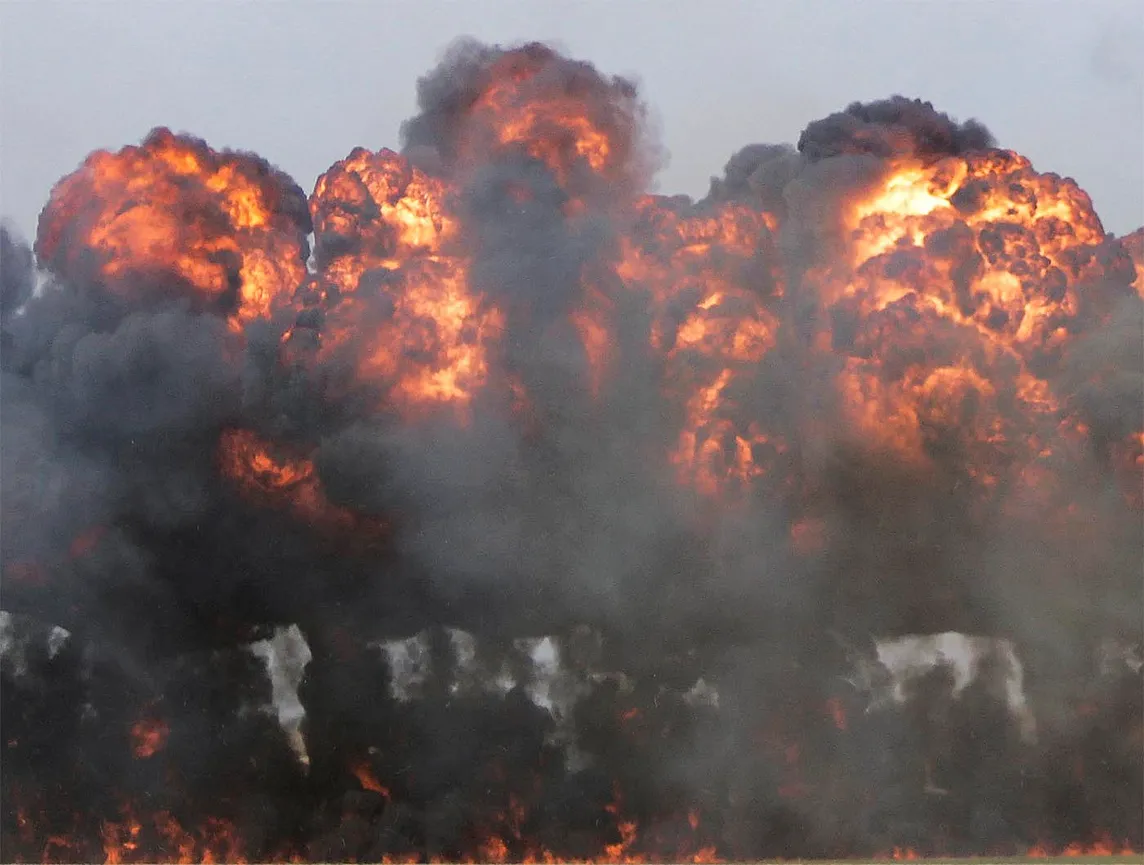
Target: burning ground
<point x="486" y="507"/>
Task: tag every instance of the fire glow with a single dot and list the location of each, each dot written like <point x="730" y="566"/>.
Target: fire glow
<point x="511" y="524"/>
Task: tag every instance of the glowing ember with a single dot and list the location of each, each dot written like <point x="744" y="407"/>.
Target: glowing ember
<point x="368" y="780"/>
<point x="149" y="736"/>
<point x="281" y="482"/>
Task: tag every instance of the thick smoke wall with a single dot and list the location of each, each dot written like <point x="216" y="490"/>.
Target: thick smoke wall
<point x="844" y="479"/>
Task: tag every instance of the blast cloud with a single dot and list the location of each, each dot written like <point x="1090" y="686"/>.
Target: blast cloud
<point x="555" y="518"/>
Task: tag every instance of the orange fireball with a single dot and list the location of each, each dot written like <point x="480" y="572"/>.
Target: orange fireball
<point x="404" y="315"/>
<point x="584" y="128"/>
<point x="173" y="215"/>
<point x="956" y="289"/>
<point x="711" y="277"/>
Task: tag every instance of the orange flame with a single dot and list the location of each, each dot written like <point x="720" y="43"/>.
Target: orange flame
<point x="558" y="120"/>
<point x="172" y="208"/>
<point x="978" y="249"/>
<point x="261" y="473"/>
<point x="727" y="327"/>
<point x="1101" y="847"/>
<point x="390" y="222"/>
<point x="149" y="737"/>
<point x="215" y="841"/>
<point x="1133" y="244"/>
<point x="368" y="779"/>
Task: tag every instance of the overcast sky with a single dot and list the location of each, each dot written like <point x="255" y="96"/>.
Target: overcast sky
<point x="302" y="83"/>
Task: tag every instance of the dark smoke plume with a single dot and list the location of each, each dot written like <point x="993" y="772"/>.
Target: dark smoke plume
<point x="892" y="127"/>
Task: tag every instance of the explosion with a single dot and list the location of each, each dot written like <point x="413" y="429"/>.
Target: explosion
<point x="173" y="212"/>
<point x="537" y="517"/>
<point x="382" y="227"/>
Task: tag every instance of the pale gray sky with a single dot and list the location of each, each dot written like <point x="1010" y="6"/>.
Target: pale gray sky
<point x="302" y="83"/>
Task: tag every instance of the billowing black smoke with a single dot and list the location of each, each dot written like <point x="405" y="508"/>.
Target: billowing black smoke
<point x="699" y="694"/>
<point x="892" y="127"/>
